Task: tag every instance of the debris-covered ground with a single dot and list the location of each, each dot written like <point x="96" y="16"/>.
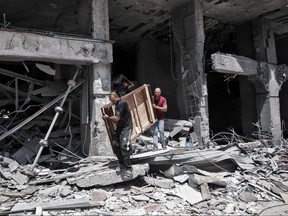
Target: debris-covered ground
<point x="238" y="177"/>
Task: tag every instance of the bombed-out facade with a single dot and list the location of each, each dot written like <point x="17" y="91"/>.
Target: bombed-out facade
<point x="219" y="63"/>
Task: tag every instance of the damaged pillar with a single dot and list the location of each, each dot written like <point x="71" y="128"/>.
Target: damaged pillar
<point x="193" y="78"/>
<point x="101" y="76"/>
<point x="268" y="104"/>
<point x="95" y="93"/>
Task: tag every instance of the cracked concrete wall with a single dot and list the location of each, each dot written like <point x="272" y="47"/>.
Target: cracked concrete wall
<point x="19" y="46"/>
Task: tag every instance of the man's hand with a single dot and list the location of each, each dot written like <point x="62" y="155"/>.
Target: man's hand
<point x="105" y="117"/>
<point x="154" y="106"/>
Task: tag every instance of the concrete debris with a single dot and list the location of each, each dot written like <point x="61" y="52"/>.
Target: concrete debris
<point x="223" y="180"/>
<point x="162" y="183"/>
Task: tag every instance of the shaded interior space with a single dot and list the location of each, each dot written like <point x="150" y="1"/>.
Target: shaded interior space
<point x="224" y="101"/>
<point x="27" y="91"/>
<point x="281" y="42"/>
<point x="283" y="108"/>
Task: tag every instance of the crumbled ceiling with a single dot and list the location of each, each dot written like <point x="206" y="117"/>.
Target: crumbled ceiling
<point x="129" y="20"/>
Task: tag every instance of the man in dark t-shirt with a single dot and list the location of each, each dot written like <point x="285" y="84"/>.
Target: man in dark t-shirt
<point x="122" y="135"/>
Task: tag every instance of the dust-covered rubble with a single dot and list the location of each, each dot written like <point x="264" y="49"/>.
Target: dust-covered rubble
<point x="222" y="188"/>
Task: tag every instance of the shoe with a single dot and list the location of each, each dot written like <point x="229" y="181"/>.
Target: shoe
<point x="155" y="148"/>
<point x="128" y="173"/>
<point x="119" y="168"/>
<point x="164" y="146"/>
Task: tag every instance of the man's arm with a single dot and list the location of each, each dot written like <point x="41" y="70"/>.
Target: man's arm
<point x="162" y="109"/>
<point x="112" y="118"/>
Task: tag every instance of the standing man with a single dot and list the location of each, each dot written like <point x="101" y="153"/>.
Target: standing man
<point x="122" y="135"/>
<point x="160" y="107"/>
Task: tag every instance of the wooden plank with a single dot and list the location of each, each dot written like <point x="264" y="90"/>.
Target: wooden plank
<point x="149" y="106"/>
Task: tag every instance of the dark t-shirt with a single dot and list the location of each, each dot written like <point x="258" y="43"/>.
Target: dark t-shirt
<point x="122" y="111"/>
<point x="121" y="91"/>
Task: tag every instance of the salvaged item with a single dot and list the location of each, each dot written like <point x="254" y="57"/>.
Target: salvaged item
<point x="140" y="105"/>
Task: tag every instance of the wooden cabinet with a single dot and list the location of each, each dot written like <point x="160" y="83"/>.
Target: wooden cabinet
<point x="140" y="104"/>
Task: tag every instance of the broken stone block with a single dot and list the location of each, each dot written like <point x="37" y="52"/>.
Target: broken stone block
<point x="122" y="190"/>
<point x="140" y="198"/>
<point x="13" y="166"/>
<point x="50" y="192"/>
<point x="170" y="205"/>
<point x="162" y="183"/>
<point x="30" y="190"/>
<point x="125" y="199"/>
<point x="20" y="178"/>
<point x="6" y="175"/>
<point x="153" y="208"/>
<point x="189" y="194"/>
<point x="158" y="196"/>
<point x="248" y="197"/>
<point x="65" y="191"/>
<point x="3" y="199"/>
<point x="98" y="195"/>
<point x="229" y="209"/>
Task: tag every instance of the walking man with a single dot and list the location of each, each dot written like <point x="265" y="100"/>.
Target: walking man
<point x="122" y="135"/>
<point x="160" y="107"/>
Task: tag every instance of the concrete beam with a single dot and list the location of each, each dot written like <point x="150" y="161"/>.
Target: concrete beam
<point x="20" y="46"/>
<point x="233" y="64"/>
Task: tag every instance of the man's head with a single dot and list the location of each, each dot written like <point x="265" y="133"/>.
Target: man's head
<point x="114" y="98"/>
<point x="125" y="84"/>
<point x="157" y="92"/>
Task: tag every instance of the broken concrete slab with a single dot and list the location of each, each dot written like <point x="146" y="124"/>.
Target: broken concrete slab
<point x="189" y="194"/>
<point x="72" y="203"/>
<point x="25" y="154"/>
<point x="181" y="178"/>
<point x="13" y="166"/>
<point x="61" y="49"/>
<point x="162" y="183"/>
<point x="51" y="191"/>
<point x="110" y="176"/>
<point x="20" y="178"/>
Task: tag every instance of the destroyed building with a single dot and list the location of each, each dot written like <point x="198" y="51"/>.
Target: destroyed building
<point x="221" y="64"/>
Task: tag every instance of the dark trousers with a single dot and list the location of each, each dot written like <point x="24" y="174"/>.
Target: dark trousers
<point x="120" y="146"/>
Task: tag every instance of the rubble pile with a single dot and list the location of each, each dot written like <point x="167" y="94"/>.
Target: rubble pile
<point x="26" y="118"/>
<point x="231" y="179"/>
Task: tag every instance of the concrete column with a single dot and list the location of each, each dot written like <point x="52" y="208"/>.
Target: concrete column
<point x="195" y="39"/>
<point x="101" y="76"/>
<point x="195" y="96"/>
<point x="95" y="92"/>
<point x="268" y="103"/>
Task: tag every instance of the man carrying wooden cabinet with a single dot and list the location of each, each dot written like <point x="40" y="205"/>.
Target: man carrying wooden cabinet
<point x="122" y="135"/>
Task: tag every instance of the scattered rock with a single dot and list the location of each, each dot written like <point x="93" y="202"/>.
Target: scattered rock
<point x="98" y="195"/>
<point x="141" y="198"/>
